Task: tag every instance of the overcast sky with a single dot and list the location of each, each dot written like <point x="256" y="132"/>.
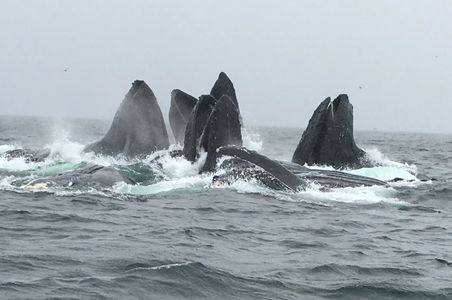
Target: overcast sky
<point x="393" y="58"/>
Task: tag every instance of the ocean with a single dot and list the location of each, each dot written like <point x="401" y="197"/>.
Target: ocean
<point x="176" y="237"/>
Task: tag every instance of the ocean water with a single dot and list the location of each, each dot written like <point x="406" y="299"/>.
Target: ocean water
<point x="176" y="237"/>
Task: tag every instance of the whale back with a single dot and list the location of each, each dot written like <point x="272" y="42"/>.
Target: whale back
<point x="182" y="105"/>
<point x="89" y="176"/>
<point x="329" y="138"/>
<point x="138" y="128"/>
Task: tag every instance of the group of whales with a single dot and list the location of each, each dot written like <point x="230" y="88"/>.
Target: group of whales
<point x="212" y="125"/>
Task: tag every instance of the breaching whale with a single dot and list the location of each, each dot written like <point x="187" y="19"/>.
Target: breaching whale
<point x="138" y="128"/>
<point x="328" y="139"/>
<point x="182" y="105"/>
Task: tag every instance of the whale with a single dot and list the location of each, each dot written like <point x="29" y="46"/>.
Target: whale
<point x="138" y="128"/>
<point x="182" y="104"/>
<point x="260" y="167"/>
<point x="328" y="138"/>
<point x="196" y="125"/>
<point x="29" y="155"/>
<point x="278" y="175"/>
<point x="224" y="86"/>
<point x="89" y="176"/>
<point x="223" y="128"/>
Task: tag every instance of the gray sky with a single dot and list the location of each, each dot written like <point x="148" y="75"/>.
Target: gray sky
<point x="284" y="57"/>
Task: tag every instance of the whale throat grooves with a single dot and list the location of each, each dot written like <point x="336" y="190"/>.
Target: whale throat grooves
<point x="138" y="128"/>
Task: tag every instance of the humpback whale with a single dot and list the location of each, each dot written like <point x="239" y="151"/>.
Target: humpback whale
<point x="90" y="176"/>
<point x="182" y="105"/>
<point x="215" y="127"/>
<point x="29" y="155"/>
<point x="224" y="86"/>
<point x="286" y="179"/>
<point x="283" y="175"/>
<point x="223" y="128"/>
<point x="195" y="126"/>
<point x="198" y="119"/>
<point x="328" y="139"/>
<point x="138" y="128"/>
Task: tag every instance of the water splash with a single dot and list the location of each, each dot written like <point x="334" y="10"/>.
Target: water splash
<point x="252" y="139"/>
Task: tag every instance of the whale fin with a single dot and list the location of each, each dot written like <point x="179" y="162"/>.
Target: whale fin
<point x="328" y="139"/>
<point x="223" y="128"/>
<point x="182" y="105"/>
<point x="274" y="168"/>
<point x="138" y="128"/>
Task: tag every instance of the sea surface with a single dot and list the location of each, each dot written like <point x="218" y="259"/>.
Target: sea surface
<point x="176" y="237"/>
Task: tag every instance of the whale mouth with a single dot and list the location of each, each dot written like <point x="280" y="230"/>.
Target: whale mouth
<point x="338" y="105"/>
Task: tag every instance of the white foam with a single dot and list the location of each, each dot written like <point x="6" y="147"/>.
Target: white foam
<point x="385" y="169"/>
<point x="17" y="164"/>
<point x="192" y="183"/>
<point x="166" y="267"/>
<point x="378" y="158"/>
<point x="4" y="148"/>
<point x="252" y="139"/>
<point x="174" y="167"/>
<point x="384" y="173"/>
<point x="181" y="174"/>
<point x="5" y="183"/>
<point x="358" y="195"/>
<point x="252" y="187"/>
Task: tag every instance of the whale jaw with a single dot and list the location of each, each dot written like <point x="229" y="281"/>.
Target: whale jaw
<point x="329" y="139"/>
<point x="138" y="128"/>
<point x="223" y="128"/>
<point x="182" y="105"/>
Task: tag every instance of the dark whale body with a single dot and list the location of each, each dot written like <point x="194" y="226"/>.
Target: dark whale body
<point x="213" y="122"/>
<point x="90" y="176"/>
<point x="196" y="125"/>
<point x="138" y="128"/>
<point x="224" y="86"/>
<point x="329" y="178"/>
<point x="223" y="128"/>
<point x="282" y="175"/>
<point x="270" y="167"/>
<point x="182" y="105"/>
<point x="328" y="139"/>
<point x="29" y="155"/>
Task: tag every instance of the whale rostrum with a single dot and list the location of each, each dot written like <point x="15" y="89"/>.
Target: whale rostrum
<point x="223" y="128"/>
<point x="328" y="139"/>
<point x="182" y="105"/>
<point x="196" y="125"/>
<point x="138" y="128"/>
<point x="224" y="86"/>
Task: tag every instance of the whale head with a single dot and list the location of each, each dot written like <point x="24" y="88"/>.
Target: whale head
<point x="329" y="138"/>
